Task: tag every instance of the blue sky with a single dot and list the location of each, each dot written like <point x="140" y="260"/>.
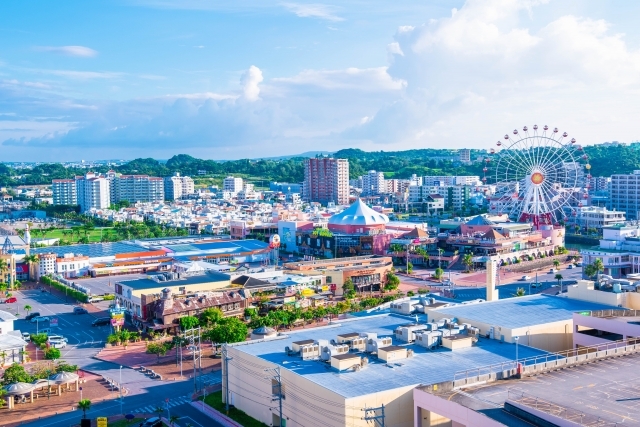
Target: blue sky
<point x="234" y="79"/>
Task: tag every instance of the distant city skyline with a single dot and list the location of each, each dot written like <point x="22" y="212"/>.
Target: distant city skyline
<point x="228" y="80"/>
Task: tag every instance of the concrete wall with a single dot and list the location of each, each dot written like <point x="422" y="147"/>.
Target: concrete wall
<point x="431" y="410"/>
<point x="613" y="325"/>
<point x="307" y="403"/>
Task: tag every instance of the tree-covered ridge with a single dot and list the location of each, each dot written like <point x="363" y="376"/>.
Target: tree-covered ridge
<point x="605" y="161"/>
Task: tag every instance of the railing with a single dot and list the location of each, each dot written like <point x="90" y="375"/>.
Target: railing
<point x="534" y="360"/>
<point x="564" y="412"/>
<point x="612" y="313"/>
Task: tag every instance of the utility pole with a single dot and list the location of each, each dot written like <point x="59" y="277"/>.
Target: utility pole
<point x="225" y="371"/>
<point x="193" y="336"/>
<point x="276" y="389"/>
<point x="370" y="415"/>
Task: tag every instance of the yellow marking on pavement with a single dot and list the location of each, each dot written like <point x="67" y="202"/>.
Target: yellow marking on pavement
<point x="621" y="416"/>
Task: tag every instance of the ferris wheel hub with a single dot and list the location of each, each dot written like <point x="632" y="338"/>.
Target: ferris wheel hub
<point x="537" y="178"/>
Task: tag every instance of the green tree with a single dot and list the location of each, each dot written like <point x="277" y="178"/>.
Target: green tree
<point x="158" y="348"/>
<point x="520" y="292"/>
<point x="188" y="322"/>
<point x="467" y="260"/>
<point x="438" y="273"/>
<point x="39" y="339"/>
<point x="556" y="263"/>
<point x="211" y="316"/>
<point x="3" y="356"/>
<point x="228" y="330"/>
<point x="31" y="261"/>
<point x="84" y="404"/>
<point x="409" y="268"/>
<point x="15" y="374"/>
<point x="558" y="277"/>
<point x="173" y="419"/>
<point x="348" y="289"/>
<point x="392" y="282"/>
<point x="52" y="354"/>
<point x="598" y="266"/>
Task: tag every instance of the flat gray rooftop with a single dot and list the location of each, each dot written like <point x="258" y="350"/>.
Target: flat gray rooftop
<point x="425" y="367"/>
<point x="522" y="311"/>
<point x="608" y="390"/>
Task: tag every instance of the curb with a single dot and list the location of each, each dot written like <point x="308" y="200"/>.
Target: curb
<point x="215" y="415"/>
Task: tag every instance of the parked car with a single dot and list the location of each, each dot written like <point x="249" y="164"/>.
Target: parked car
<point x="570" y="266"/>
<point x="96" y="299"/>
<point x="79" y="310"/>
<point x="39" y="319"/>
<point x="536" y="284"/>
<point x="32" y="315"/>
<point x="57" y="343"/>
<point x="26" y="336"/>
<point x="552" y="271"/>
<point x="57" y="338"/>
<point x="525" y="278"/>
<point x="45" y="331"/>
<point x="10" y="300"/>
<point x="153" y="422"/>
<point x="103" y="321"/>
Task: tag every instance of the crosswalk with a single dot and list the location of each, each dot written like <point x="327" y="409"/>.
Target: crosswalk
<point x="153" y="408"/>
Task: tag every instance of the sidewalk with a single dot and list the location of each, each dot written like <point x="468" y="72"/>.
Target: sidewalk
<point x="215" y="415"/>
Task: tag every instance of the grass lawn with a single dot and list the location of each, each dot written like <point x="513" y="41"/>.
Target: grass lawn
<point x="94" y="235"/>
<point x="215" y="401"/>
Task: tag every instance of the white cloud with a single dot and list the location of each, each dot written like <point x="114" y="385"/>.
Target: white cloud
<point x="364" y="79"/>
<point x="80" y="75"/>
<point x="395" y="49"/>
<point x="250" y="81"/>
<point x="203" y="96"/>
<point x="80" y="51"/>
<point x="313" y="10"/>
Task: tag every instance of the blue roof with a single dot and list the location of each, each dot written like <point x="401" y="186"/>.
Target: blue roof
<point x="92" y="250"/>
<point x="426" y="367"/>
<point x="522" y="311"/>
<point x="221" y="247"/>
<point x="208" y="277"/>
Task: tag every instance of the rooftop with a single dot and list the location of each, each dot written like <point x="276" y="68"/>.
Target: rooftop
<point x="220" y="247"/>
<point x="425" y="367"/>
<point x="95" y="250"/>
<point x="605" y="391"/>
<point x="522" y="311"/>
<point x="149" y="283"/>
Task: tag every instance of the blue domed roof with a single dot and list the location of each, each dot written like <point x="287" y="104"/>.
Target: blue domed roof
<point x="358" y="214"/>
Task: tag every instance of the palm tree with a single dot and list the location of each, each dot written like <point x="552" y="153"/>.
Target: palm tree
<point x="173" y="419"/>
<point x="558" y="277"/>
<point x="520" y="292"/>
<point x="598" y="266"/>
<point x="3" y="356"/>
<point x="4" y="266"/>
<point x="84" y="404"/>
<point x="31" y="260"/>
<point x="467" y="260"/>
<point x="28" y="308"/>
<point x="556" y="263"/>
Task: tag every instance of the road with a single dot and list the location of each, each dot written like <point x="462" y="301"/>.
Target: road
<point x="143" y="394"/>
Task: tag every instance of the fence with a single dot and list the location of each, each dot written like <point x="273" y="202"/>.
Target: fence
<point x="543" y="362"/>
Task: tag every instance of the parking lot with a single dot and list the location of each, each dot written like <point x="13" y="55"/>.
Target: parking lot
<point x="105" y="285"/>
<point x="84" y="340"/>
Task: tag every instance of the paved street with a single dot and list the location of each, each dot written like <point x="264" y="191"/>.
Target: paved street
<point x="85" y="341"/>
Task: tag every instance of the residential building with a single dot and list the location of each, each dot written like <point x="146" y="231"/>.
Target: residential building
<point x="619" y="250"/>
<point x="177" y="186"/>
<point x="285" y="187"/>
<point x="446" y="180"/>
<point x="233" y="185"/>
<point x="373" y="184"/>
<point x="326" y="180"/>
<point x="593" y="217"/>
<point x="93" y="192"/>
<point x="64" y="192"/>
<point x="625" y="194"/>
<point x="465" y="155"/>
<point x="139" y="188"/>
<point x="12" y="345"/>
<point x="598" y="183"/>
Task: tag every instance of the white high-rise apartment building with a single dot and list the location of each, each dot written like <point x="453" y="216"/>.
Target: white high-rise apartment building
<point x="373" y="184"/>
<point x="177" y="186"/>
<point x="625" y="194"/>
<point x="64" y="192"/>
<point x="92" y="192"/>
<point x="465" y="155"/>
<point x="233" y="185"/>
<point x="139" y="188"/>
<point x="326" y="180"/>
<point x="451" y="180"/>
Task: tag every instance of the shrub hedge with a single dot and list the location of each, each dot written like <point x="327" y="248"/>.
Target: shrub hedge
<point x="64" y="288"/>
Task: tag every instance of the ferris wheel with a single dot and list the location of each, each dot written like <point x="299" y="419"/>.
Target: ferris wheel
<point x="539" y="175"/>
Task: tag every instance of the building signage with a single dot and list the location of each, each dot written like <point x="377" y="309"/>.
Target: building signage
<point x="101" y="421"/>
<point x="362" y="272"/>
<point x="117" y="322"/>
<point x="53" y="322"/>
<point x="288" y="300"/>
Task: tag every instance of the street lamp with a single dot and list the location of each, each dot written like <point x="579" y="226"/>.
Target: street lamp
<point x="440" y="257"/>
<point x="408" y="251"/>
<point x="516" y="338"/>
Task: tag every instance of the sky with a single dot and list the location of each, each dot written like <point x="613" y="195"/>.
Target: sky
<point x="218" y="79"/>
